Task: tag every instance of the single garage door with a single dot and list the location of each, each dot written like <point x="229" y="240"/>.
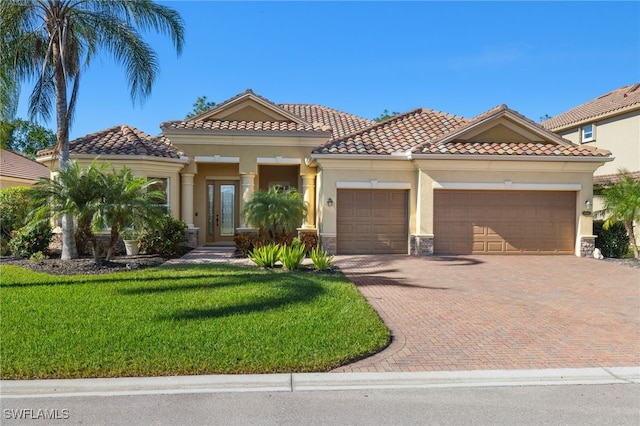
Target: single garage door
<point x="504" y="222"/>
<point x="372" y="221"/>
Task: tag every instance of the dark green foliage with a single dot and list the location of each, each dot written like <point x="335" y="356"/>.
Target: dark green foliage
<point x="200" y="105"/>
<point x="31" y="239"/>
<point x="613" y="241"/>
<point x="385" y="115"/>
<point x="15" y="205"/>
<point x="25" y="137"/>
<point x="166" y="238"/>
<point x="277" y="212"/>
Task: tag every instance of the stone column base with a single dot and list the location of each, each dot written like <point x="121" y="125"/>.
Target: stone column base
<point x="329" y="243"/>
<point x="421" y="245"/>
<point x="192" y="237"/>
<point x="587" y="245"/>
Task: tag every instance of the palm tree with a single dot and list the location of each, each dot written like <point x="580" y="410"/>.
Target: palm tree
<point x="75" y="192"/>
<point x="275" y="211"/>
<point x="51" y="41"/>
<point x="622" y="204"/>
<point x="127" y="202"/>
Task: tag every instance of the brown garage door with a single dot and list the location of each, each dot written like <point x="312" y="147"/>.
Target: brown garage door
<point x="503" y="222"/>
<point x="372" y="221"/>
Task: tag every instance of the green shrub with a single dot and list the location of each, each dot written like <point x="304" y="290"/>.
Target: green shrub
<point x="15" y="205"/>
<point x="612" y="242"/>
<point x="292" y="255"/>
<point x="266" y="256"/>
<point x="37" y="257"/>
<point x="166" y="238"/>
<point x="30" y="239"/>
<point x="320" y="258"/>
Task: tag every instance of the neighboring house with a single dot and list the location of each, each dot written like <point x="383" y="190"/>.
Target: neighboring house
<point x="611" y="122"/>
<point x="423" y="182"/>
<point x="17" y="170"/>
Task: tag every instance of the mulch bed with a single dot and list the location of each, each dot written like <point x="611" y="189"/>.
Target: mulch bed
<point x="86" y="265"/>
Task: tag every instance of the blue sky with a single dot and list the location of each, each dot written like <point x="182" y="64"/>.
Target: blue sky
<point x="364" y="57"/>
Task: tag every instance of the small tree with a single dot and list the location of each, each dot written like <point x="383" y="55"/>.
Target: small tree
<point x="75" y="192"/>
<point x="275" y="211"/>
<point x="127" y="202"/>
<point x="622" y="204"/>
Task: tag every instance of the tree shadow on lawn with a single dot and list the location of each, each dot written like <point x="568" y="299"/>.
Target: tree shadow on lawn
<point x="304" y="292"/>
<point x="140" y="277"/>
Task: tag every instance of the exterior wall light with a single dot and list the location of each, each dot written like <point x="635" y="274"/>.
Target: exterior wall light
<point x="330" y="202"/>
<point x="588" y="206"/>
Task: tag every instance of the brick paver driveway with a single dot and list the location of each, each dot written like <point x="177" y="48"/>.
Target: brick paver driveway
<point x="499" y="312"/>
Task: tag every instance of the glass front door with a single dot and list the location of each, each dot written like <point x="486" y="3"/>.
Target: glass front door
<point x="222" y="210"/>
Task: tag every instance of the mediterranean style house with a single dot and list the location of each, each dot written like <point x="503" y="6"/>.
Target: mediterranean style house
<point x="17" y="170"/>
<point x="421" y="183"/>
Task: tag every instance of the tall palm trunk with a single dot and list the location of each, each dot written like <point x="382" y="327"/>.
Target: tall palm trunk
<point x="69" y="248"/>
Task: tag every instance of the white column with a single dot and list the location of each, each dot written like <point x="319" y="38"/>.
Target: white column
<point x="248" y="188"/>
<point x="309" y="195"/>
<point x="186" y="206"/>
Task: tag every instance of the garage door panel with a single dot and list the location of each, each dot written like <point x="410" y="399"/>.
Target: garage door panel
<point x="467" y="222"/>
<point x="379" y="223"/>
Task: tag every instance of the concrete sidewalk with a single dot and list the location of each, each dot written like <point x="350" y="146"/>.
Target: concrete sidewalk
<point x="298" y="382"/>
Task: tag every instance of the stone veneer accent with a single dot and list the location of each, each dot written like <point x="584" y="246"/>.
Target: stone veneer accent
<point x="329" y="243"/>
<point x="192" y="238"/>
<point x="421" y="245"/>
<point x="587" y="245"/>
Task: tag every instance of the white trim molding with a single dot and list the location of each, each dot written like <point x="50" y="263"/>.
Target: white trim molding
<point x="373" y="184"/>
<point x="278" y="160"/>
<point x="216" y="159"/>
<point x="508" y="185"/>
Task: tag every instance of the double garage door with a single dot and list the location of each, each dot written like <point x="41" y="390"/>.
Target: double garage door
<point x="504" y="222"/>
<point x="465" y="222"/>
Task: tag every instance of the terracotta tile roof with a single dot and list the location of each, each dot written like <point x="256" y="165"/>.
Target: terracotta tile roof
<point x="617" y="101"/>
<point x="247" y="126"/>
<point x="121" y="140"/>
<point x="309" y="117"/>
<point x="397" y="134"/>
<point x="17" y="166"/>
<point x="513" y="148"/>
<point x="425" y="131"/>
<point x="607" y="180"/>
<point x="341" y="123"/>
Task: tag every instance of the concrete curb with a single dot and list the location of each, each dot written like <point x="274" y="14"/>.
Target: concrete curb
<point x="296" y="382"/>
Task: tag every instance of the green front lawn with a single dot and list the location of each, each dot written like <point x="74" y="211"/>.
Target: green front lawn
<point x="181" y="320"/>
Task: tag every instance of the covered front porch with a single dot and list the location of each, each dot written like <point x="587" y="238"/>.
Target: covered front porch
<point x="214" y="192"/>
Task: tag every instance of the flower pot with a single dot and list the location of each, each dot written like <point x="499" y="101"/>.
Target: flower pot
<point x="131" y="247"/>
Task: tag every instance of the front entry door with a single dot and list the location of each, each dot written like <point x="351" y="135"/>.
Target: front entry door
<point x="222" y="210"/>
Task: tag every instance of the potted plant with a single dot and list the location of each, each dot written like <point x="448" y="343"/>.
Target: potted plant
<point x="130" y="239"/>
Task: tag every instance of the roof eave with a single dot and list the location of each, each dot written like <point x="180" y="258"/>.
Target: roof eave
<point x="476" y="157"/>
<point x="598" y="117"/>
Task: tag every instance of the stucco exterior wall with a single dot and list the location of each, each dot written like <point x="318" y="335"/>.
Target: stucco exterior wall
<point x="249" y="149"/>
<point x="10" y="182"/>
<point x="620" y="135"/>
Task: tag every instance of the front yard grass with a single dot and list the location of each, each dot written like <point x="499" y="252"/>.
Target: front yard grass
<point x="183" y="320"/>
